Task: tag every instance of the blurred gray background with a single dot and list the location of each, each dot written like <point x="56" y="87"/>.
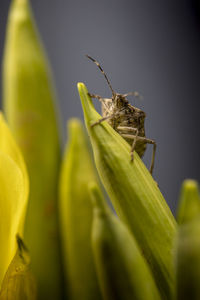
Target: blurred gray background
<point x="149" y="46"/>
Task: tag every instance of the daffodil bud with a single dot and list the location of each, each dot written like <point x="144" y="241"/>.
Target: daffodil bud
<point x="187" y="244"/>
<point x="189" y="203"/>
<point x="76" y="215"/>
<point x="134" y="194"/>
<point x="122" y="271"/>
<point x="28" y="100"/>
<point x="187" y="261"/>
<point x="19" y="283"/>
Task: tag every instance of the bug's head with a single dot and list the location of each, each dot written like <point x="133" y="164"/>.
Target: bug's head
<point x="119" y="100"/>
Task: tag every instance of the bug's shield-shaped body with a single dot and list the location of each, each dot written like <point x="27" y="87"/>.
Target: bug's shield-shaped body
<point x="125" y="119"/>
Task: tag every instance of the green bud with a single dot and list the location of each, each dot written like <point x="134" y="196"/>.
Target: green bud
<point x="76" y="215"/>
<point x="19" y="283"/>
<point x="123" y="273"/>
<point x="187" y="261"/>
<point x="135" y="196"/>
<point x="28" y="101"/>
<point x="187" y="246"/>
<point x="189" y="203"/>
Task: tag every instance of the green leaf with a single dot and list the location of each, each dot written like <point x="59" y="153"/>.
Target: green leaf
<point x="14" y="187"/>
<point x="76" y="215"/>
<point x="29" y="104"/>
<point x="189" y="203"/>
<point x="123" y="273"/>
<point x="134" y="194"/>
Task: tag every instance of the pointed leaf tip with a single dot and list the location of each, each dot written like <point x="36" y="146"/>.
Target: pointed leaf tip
<point x="88" y="107"/>
<point x="189" y="203"/>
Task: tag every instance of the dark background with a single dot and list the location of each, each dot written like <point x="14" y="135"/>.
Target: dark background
<point x="149" y="46"/>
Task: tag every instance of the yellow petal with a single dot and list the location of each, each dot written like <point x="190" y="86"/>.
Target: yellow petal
<point x="13" y="196"/>
<point x="9" y="147"/>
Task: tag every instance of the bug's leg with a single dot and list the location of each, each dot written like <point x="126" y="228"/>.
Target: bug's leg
<point x="102" y="100"/>
<point x="126" y="128"/>
<point x="133" y="145"/>
<point x="153" y="157"/>
<point x="152" y="142"/>
<point x="102" y="119"/>
<point x="134" y="137"/>
<point x="148" y="141"/>
<point x="95" y="96"/>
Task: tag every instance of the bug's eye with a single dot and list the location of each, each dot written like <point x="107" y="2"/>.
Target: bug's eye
<point x="123" y="100"/>
<point x="119" y="100"/>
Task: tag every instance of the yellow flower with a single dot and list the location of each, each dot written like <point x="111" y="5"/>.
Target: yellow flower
<point x="14" y="187"/>
<point x="29" y="105"/>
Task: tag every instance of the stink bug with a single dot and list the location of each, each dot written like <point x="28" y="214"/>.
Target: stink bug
<point x="126" y="119"/>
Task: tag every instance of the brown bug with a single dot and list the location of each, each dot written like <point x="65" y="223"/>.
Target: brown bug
<point x="126" y="119"/>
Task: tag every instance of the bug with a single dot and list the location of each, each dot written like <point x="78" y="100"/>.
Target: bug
<point x="126" y="119"/>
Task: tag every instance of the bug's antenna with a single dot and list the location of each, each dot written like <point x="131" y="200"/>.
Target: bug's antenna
<point x="102" y="71"/>
<point x="135" y="94"/>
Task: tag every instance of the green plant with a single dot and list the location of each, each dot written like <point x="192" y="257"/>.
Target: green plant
<point x="139" y="253"/>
